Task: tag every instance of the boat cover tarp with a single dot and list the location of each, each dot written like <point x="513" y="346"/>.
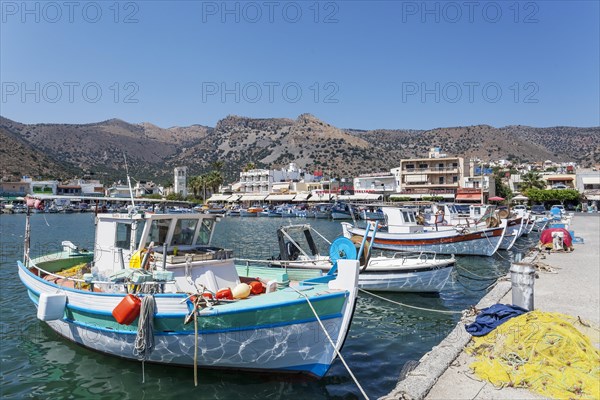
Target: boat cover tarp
<point x="549" y="353"/>
<point x="492" y="317"/>
<point x="546" y="236"/>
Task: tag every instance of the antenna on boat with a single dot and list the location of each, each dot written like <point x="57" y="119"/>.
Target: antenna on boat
<point x="129" y="183"/>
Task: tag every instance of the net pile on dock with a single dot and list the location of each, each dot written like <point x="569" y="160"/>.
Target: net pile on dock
<point x="544" y="352"/>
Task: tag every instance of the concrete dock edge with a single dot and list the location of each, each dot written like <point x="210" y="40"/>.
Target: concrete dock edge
<point x="432" y="365"/>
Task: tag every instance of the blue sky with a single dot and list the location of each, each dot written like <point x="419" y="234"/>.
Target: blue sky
<point x="354" y="64"/>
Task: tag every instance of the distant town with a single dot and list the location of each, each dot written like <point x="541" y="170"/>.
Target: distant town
<point x="434" y="177"/>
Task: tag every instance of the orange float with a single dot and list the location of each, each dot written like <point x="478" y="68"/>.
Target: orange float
<point x="224" y="294"/>
<point x="256" y="287"/>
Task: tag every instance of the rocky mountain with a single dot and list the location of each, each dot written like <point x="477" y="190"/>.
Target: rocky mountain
<point x="152" y="152"/>
<point x="18" y="157"/>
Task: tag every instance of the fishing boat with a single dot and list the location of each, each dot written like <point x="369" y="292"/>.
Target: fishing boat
<point x="322" y="211"/>
<point x="477" y="218"/>
<point x="402" y="232"/>
<point x="341" y="211"/>
<point x="422" y="272"/>
<point x="154" y="289"/>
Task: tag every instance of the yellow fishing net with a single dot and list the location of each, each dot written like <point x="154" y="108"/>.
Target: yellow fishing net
<point x="543" y="352"/>
<point x="76" y="272"/>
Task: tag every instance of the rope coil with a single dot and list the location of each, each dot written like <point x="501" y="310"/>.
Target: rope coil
<point x="144" y="340"/>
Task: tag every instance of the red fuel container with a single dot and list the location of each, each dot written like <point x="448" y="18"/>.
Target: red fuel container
<point x="127" y="310"/>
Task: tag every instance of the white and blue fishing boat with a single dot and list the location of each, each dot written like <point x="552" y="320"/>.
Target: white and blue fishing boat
<point x="341" y="211"/>
<point x="402" y="232"/>
<point x="154" y="289"/>
<point x="422" y="272"/>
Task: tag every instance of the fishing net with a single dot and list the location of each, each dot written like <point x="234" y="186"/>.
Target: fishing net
<point x="543" y="352"/>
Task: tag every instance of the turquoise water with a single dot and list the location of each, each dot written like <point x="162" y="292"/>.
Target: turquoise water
<point x="36" y="363"/>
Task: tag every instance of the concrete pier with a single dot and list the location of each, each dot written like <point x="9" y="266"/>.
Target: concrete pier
<point x="570" y="285"/>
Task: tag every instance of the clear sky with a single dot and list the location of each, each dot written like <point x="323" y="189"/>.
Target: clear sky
<point x="354" y="64"/>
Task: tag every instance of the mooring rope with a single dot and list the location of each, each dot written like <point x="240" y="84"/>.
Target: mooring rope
<point x="144" y="341"/>
<point x="332" y="343"/>
<point x="409" y="306"/>
<point x="483" y="278"/>
<point x="195" y="344"/>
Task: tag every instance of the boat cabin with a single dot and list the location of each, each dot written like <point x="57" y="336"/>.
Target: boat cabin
<point x="401" y="220"/>
<point x="177" y="245"/>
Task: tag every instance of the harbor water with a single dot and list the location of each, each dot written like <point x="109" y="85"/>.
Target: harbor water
<point x="383" y="338"/>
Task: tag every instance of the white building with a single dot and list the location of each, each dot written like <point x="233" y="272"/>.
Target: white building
<point x="588" y="183"/>
<point x="180" y="181"/>
<point x="44" y="187"/>
<point x="145" y="188"/>
<point x="381" y="182"/>
<point x="265" y="181"/>
<point x="90" y="187"/>
<point x="118" y="190"/>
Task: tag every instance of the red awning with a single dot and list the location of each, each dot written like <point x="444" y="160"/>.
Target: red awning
<point x="469" y="196"/>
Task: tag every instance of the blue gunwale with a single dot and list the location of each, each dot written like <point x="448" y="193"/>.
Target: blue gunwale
<point x="214" y="312"/>
<point x="201" y="331"/>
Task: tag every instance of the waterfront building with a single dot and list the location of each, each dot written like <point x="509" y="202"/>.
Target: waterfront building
<point x="145" y="188"/>
<point x="265" y="181"/>
<point x="118" y="190"/>
<point x="13" y="189"/>
<point x="68" y="190"/>
<point x="375" y="186"/>
<point x="588" y="184"/>
<point x="44" y="187"/>
<point x="438" y="175"/>
<point x="559" y="181"/>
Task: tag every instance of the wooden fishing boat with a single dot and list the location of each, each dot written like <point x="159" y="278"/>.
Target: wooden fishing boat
<point x="154" y="289"/>
<point x="421" y="272"/>
<point x="404" y="233"/>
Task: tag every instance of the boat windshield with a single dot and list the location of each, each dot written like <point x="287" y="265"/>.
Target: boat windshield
<point x="184" y="232"/>
<point x="409" y="216"/>
<point x="158" y="231"/>
<point x="452" y="209"/>
<point x="123" y="234"/>
<point x="205" y="231"/>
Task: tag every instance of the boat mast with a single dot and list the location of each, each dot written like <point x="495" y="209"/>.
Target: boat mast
<point x="129" y="183"/>
<point x="27" y="240"/>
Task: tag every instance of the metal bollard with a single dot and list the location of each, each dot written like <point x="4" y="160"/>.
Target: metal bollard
<point x="522" y="277"/>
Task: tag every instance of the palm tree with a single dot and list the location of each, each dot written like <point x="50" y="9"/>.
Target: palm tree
<point x="217" y="165"/>
<point x="195" y="183"/>
<point x="214" y="180"/>
<point x="531" y="180"/>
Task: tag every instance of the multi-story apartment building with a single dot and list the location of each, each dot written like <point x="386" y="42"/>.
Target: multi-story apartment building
<point x="436" y="175"/>
<point x="265" y="181"/>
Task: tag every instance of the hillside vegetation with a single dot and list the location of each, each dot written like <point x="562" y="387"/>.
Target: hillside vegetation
<point x="152" y="152"/>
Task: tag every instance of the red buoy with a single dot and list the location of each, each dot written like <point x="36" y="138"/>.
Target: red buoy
<point x="225" y="294"/>
<point x="256" y="287"/>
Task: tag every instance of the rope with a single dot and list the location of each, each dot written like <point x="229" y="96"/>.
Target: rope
<point x="483" y="278"/>
<point x="332" y="343"/>
<point x="195" y="346"/>
<point x="144" y="341"/>
<point x="409" y="306"/>
<point x="476" y="290"/>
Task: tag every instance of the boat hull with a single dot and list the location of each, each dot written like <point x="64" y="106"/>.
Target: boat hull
<point x="336" y="215"/>
<point x="430" y="280"/>
<point x="482" y="243"/>
<point x="412" y="275"/>
<point x="281" y="336"/>
<point x="511" y="235"/>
